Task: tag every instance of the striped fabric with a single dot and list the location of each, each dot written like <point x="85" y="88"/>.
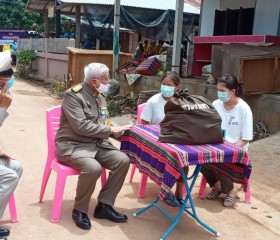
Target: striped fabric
<point x="162" y="161"/>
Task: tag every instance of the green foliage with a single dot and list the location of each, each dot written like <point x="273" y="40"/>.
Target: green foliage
<point x="121" y="104"/>
<point x="25" y="59"/>
<point x="66" y="25"/>
<point x="13" y="16"/>
<point x="58" y="88"/>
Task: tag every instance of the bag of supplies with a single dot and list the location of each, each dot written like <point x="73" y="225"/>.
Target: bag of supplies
<point x="190" y="119"/>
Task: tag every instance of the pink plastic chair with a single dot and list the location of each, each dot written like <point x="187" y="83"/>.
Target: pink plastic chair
<point x="201" y="192"/>
<point x="144" y="178"/>
<point x="63" y="171"/>
<point x="138" y="121"/>
<point x="13" y="210"/>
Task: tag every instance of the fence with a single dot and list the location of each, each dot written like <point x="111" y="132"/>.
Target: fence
<point x="48" y="45"/>
<point x="52" y="56"/>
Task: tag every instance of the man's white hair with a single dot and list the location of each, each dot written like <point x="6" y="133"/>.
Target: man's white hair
<point x="95" y="70"/>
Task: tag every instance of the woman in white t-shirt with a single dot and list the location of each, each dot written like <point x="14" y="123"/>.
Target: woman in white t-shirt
<point x="237" y="122"/>
<point x="153" y="113"/>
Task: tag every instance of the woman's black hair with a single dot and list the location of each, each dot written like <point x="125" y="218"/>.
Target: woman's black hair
<point x="8" y="72"/>
<point x="231" y="82"/>
<point x="175" y="77"/>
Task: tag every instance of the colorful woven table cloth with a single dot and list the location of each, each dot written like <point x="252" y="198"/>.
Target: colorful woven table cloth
<point x="162" y="161"/>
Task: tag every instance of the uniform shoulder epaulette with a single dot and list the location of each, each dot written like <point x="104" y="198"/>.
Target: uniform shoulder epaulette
<point x="77" y="88"/>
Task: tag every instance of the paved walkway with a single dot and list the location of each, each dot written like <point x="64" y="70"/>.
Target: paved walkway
<point x="23" y="136"/>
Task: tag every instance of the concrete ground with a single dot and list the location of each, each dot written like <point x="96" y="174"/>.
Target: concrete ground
<point x="23" y="136"/>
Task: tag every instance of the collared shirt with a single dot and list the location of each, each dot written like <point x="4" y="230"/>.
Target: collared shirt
<point x="81" y="118"/>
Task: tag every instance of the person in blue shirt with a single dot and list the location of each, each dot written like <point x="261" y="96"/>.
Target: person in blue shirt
<point x="88" y="44"/>
<point x="66" y="35"/>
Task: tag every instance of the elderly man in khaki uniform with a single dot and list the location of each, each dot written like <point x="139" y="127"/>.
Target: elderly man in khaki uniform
<point x="82" y="143"/>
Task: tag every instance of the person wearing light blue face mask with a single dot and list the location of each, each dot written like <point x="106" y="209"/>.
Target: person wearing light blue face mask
<point x="237" y="122"/>
<point x="10" y="169"/>
<point x="153" y="113"/>
<point x="167" y="91"/>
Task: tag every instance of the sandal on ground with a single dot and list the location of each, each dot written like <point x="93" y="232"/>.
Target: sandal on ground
<point x="229" y="201"/>
<point x="213" y="194"/>
<point x="170" y="200"/>
<point x="181" y="201"/>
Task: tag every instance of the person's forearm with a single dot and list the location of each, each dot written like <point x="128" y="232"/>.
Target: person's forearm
<point x="144" y="122"/>
<point x="242" y="143"/>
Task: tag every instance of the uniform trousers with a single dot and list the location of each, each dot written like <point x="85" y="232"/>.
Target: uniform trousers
<point x="90" y="170"/>
<point x="212" y="177"/>
<point x="9" y="177"/>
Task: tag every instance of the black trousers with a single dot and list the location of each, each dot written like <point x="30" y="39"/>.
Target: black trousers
<point x="14" y="59"/>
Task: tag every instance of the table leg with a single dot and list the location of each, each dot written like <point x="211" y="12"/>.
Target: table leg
<point x="182" y="207"/>
<point x="190" y="199"/>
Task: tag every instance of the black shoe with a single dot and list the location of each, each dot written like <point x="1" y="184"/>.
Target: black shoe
<point x="105" y="211"/>
<point x="4" y="232"/>
<point x="81" y="219"/>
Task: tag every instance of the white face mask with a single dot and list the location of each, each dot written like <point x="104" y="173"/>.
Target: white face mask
<point x="103" y="88"/>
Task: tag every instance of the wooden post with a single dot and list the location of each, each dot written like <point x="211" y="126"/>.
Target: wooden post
<point x="78" y="26"/>
<point x="57" y="20"/>
<point x="46" y="24"/>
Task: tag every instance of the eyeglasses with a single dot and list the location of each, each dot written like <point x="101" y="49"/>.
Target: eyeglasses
<point x="106" y="77"/>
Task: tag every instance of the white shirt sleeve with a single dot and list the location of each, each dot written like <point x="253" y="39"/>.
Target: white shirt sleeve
<point x="153" y="111"/>
<point x="147" y="112"/>
<point x="247" y="123"/>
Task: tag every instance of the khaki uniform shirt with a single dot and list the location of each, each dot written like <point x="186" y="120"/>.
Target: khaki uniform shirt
<point x="82" y="124"/>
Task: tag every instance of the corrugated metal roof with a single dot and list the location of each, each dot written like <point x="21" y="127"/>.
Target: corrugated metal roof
<point x="39" y="5"/>
<point x="153" y="4"/>
<point x="68" y="5"/>
<point x="43" y="5"/>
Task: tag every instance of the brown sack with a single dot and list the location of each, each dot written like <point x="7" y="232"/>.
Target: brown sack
<point x="190" y="119"/>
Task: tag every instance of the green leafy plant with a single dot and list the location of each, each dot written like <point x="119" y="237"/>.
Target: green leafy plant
<point x="25" y="59"/>
<point x="121" y="104"/>
<point x="58" y="88"/>
<point x="14" y="16"/>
